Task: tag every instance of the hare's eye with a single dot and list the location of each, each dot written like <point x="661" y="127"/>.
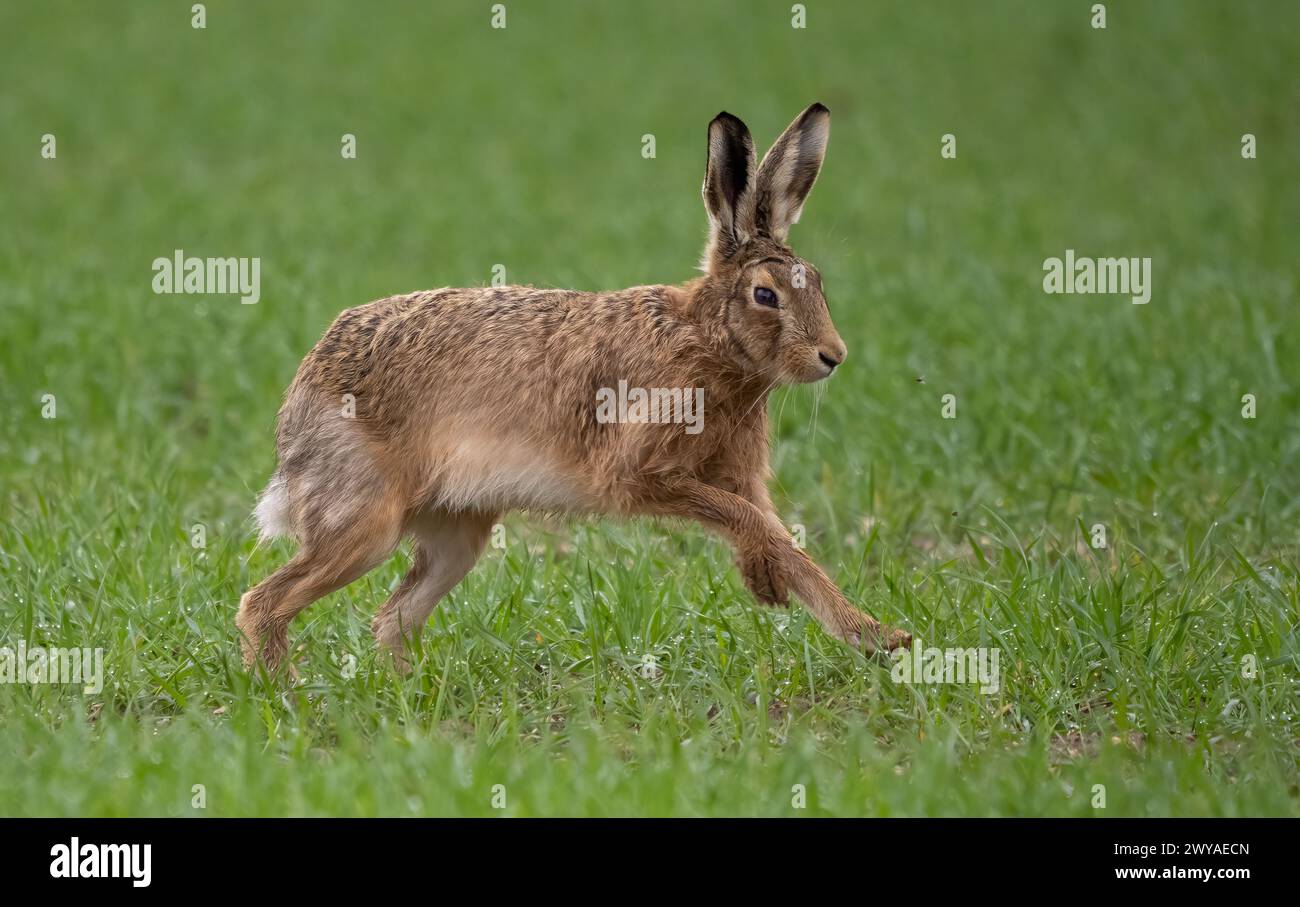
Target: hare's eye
<point x="764" y="296"/>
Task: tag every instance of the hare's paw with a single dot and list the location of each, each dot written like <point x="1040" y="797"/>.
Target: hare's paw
<point x="869" y="635"/>
<point x="392" y="643"/>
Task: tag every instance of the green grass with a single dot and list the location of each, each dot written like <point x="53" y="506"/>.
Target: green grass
<point x="1121" y="667"/>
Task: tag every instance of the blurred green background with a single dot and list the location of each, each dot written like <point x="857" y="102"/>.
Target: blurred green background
<point x="522" y="147"/>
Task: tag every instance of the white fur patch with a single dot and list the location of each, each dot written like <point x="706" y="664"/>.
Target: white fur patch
<point x="272" y="512"/>
<point x="489" y="474"/>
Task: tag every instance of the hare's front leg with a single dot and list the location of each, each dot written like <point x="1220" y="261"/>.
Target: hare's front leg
<point x="764" y="567"/>
<point x="769" y="557"/>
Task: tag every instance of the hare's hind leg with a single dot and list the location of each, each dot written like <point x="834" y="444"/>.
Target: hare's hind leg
<point x="447" y="544"/>
<point x="333" y="554"/>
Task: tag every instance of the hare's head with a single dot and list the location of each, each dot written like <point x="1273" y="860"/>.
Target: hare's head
<point x="773" y="308"/>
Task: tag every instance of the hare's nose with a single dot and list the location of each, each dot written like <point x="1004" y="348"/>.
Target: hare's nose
<point x="833" y="353"/>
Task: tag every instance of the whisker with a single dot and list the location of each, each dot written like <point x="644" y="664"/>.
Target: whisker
<point x="761" y="398"/>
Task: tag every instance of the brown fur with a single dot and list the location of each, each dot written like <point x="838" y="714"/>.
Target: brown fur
<point x="472" y="402"/>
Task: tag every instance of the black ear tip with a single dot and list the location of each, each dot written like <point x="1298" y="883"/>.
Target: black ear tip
<point x="727" y="119"/>
<point x="819" y="107"/>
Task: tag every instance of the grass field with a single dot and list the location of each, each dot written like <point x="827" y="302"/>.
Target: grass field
<point x="1128" y="666"/>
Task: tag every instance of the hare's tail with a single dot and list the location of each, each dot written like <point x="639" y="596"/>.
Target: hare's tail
<point x="272" y="512"/>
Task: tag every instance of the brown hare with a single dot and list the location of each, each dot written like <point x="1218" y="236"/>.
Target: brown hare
<point x="432" y="414"/>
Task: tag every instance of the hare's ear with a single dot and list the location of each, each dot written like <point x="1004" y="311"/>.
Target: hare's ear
<point x="788" y="172"/>
<point x="728" y="179"/>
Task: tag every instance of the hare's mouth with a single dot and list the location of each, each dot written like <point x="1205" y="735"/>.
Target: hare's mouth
<point x="828" y="361"/>
<point x="811" y="373"/>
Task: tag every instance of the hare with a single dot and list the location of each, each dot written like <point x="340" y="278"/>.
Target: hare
<point x="431" y="414"/>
